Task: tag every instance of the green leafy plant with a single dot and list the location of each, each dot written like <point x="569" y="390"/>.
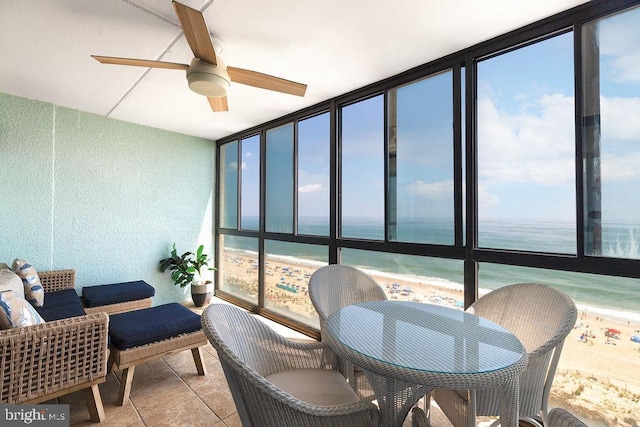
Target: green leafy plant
<point x="185" y="267"/>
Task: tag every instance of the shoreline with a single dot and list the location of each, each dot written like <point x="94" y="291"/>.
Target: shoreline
<point x="609" y="314"/>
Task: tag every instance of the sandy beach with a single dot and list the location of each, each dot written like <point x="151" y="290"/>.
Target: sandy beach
<point x="598" y="377"/>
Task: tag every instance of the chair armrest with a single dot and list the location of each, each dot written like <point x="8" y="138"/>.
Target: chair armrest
<point x="57" y="280"/>
<point x="275" y="353"/>
<point x="42" y="359"/>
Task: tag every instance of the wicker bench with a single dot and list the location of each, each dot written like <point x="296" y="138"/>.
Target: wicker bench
<point x="43" y="362"/>
<point x="151" y="333"/>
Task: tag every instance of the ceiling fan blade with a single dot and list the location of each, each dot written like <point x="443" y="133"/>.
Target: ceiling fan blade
<point x="140" y="62"/>
<point x="218" y="104"/>
<point x="265" y="81"/>
<point x="196" y="32"/>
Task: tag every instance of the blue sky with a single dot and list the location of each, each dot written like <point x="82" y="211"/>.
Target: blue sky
<point x="526" y="138"/>
<point x="526" y="132"/>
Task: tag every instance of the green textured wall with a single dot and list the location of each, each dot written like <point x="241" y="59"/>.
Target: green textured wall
<point x="102" y="196"/>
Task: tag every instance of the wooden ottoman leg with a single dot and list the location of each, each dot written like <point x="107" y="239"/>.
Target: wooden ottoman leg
<point x="111" y="361"/>
<point x="125" y="384"/>
<point x="94" y="403"/>
<point x="197" y="358"/>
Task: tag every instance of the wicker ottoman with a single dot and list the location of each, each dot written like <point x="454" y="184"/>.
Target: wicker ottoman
<point x="150" y="333"/>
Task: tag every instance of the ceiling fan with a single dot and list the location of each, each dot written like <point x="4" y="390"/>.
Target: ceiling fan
<point x="206" y="74"/>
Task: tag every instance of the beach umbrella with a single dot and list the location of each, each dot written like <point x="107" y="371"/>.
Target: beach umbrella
<point x="613" y="331"/>
<point x="635" y="338"/>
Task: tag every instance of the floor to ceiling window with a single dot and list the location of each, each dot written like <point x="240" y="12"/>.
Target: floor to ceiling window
<point x="512" y="161"/>
<point x="611" y="135"/>
<point x="421" y="193"/>
<point x="362" y="169"/>
<point x="526" y="148"/>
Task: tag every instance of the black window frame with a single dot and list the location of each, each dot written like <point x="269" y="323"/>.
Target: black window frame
<point x="465" y="246"/>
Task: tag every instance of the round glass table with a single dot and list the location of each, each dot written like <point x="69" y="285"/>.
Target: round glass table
<point x="407" y="349"/>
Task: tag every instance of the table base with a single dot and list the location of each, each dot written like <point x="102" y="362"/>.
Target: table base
<point x="395" y="397"/>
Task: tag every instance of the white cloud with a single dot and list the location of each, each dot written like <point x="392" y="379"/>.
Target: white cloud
<point x="486" y="200"/>
<point x="432" y="190"/>
<point x="615" y="168"/>
<point x="619" y="119"/>
<point x="310" y="188"/>
<point x="248" y="154"/>
<point x="244" y="165"/>
<point x="527" y="147"/>
<point x="619" y="38"/>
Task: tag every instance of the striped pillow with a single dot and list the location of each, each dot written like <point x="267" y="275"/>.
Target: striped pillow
<point x="33" y="290"/>
<point x="9" y="281"/>
<point x="15" y="311"/>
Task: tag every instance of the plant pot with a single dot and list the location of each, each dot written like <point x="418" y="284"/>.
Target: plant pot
<point x="201" y="294"/>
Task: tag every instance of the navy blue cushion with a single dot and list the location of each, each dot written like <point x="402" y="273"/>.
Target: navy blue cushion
<point x="61" y="305"/>
<point x="95" y="296"/>
<point x="140" y="327"/>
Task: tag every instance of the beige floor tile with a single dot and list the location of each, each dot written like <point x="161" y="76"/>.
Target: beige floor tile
<point x="189" y="412"/>
<point x="163" y="395"/>
<point x="219" y="400"/>
<point x="183" y="364"/>
<point x="233" y="421"/>
<point x="150" y="374"/>
<point x="114" y="415"/>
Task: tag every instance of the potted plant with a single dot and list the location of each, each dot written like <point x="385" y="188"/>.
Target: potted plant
<point x="187" y="270"/>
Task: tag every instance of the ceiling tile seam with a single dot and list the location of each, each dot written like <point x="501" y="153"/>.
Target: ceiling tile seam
<point x="153" y="13"/>
<point x="144" y="74"/>
<point x="204" y="7"/>
<point x="164" y="51"/>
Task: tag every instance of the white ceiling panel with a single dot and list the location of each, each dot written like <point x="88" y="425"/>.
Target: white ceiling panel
<point x="333" y="46"/>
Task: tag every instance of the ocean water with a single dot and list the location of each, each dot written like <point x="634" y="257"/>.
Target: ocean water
<point x="610" y="297"/>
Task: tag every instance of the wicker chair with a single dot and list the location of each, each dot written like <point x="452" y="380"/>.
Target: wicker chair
<point x="559" y="417"/>
<point x="335" y="286"/>
<point x="277" y="382"/>
<point x="43" y="362"/>
<point x="541" y="317"/>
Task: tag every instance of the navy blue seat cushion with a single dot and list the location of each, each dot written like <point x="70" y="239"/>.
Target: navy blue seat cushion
<point x="95" y="296"/>
<point x="147" y="325"/>
<point x="61" y="305"/>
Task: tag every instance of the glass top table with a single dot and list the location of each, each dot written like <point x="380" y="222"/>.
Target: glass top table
<point x="407" y="349"/>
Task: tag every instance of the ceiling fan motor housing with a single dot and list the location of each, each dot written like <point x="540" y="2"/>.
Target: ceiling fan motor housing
<point x="208" y="79"/>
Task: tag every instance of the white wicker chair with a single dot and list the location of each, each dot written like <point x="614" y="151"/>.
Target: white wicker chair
<point x="278" y="382"/>
<point x="559" y="417"/>
<point x="541" y="317"/>
<point x="335" y="286"/>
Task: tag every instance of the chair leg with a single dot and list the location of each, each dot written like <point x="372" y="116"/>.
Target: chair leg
<point x="94" y="403"/>
<point x="125" y="384"/>
<point x="197" y="358"/>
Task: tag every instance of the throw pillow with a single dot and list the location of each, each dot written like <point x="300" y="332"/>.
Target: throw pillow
<point x="33" y="290"/>
<point x="9" y="281"/>
<point x="16" y="311"/>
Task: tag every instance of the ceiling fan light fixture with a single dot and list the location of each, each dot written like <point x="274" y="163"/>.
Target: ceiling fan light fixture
<point x="208" y="79"/>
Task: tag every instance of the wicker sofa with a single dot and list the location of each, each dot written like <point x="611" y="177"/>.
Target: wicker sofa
<point x="42" y="362"/>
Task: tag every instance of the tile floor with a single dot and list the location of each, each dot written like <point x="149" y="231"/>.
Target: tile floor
<point x="168" y="392"/>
